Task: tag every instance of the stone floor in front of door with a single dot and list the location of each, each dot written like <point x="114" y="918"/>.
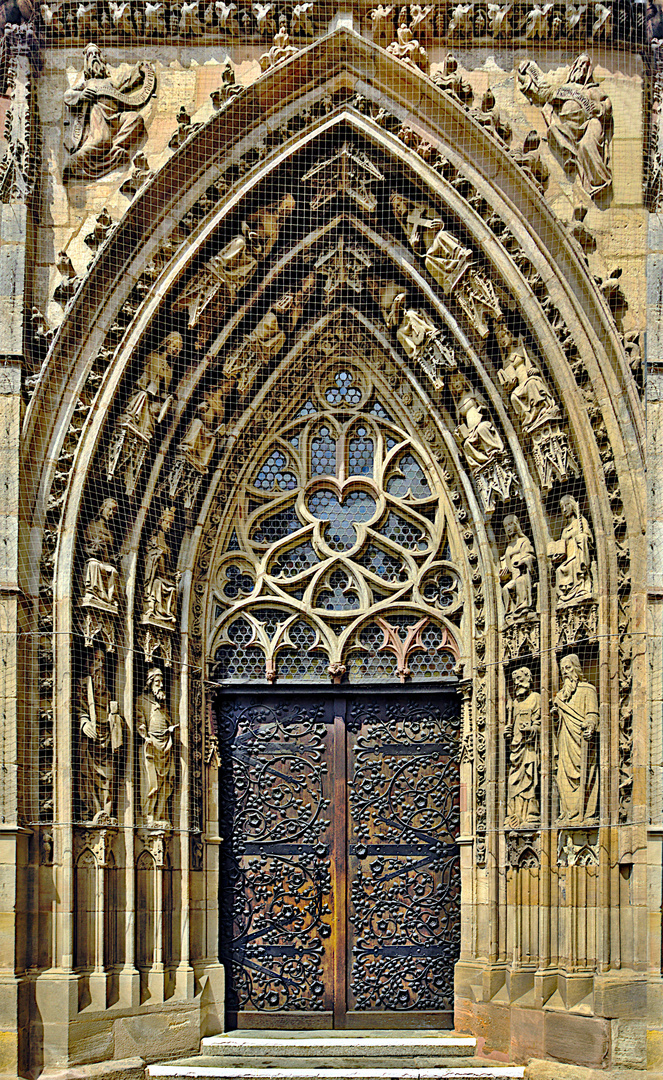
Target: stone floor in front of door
<point x="336" y="1055"/>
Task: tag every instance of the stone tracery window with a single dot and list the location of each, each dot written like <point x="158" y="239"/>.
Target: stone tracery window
<point x="337" y="561"/>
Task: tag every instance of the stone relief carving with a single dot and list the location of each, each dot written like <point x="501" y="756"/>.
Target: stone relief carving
<point x="281" y="50"/>
<point x="530" y="160"/>
<point x="140" y="175"/>
<point x="523" y="850"/>
<point x="523" y="730"/>
<point x="68" y="285"/>
<point x="417" y="334"/>
<point x="100" y="592"/>
<point x="196" y="450"/>
<point x="532" y="401"/>
<point x="516" y="566"/>
<point x="101" y="740"/>
<point x="406" y="47"/>
<point x="579" y="117"/>
<point x="107" y="127"/>
<point x="573" y="554"/>
<point x="156" y="729"/>
<point x="146" y="409"/>
<point x="102" y="228"/>
<point x="449" y="79"/>
<point x="382" y="22"/>
<point x="265" y="20"/>
<point x="576" y="709"/>
<point x="160" y="581"/>
<point x="482" y="445"/>
<point x="343" y="266"/>
<point x="265" y="342"/>
<point x="578" y="848"/>
<point x="489" y="116"/>
<point x="347" y="172"/>
<point x="219" y="281"/>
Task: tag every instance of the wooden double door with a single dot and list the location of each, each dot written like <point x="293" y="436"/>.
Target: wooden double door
<point x="339" y="876"/>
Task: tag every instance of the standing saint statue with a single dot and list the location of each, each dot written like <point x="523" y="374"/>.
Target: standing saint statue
<point x="101" y="740"/>
<point x="516" y="567"/>
<point x="573" y="554"/>
<point x="108" y="127"/>
<point x="523" y="729"/>
<point x="156" y="729"/>
<point x="160" y="583"/>
<point x="577" y="708"/>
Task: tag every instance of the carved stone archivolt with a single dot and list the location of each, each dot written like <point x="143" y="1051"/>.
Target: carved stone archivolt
<point x="344" y="514"/>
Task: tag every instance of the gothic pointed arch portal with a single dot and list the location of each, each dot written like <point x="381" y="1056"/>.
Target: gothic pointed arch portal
<point x="348" y="405"/>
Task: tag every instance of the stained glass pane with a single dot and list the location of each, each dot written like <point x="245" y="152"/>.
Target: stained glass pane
<point x="357" y="507"/>
<point x="323" y="454"/>
<point x="293" y="561"/>
<point x="273" y="475"/>
<point x="344" y="391"/>
<point x="404" y="532"/>
<point x="409" y="480"/>
<point x="360" y="454"/>
<point x="276" y="526"/>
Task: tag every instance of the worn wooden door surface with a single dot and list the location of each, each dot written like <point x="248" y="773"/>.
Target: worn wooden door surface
<point x="340" y="883"/>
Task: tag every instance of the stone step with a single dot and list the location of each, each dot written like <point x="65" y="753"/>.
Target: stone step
<point x="188" y="1071"/>
<point x="330" y="1045"/>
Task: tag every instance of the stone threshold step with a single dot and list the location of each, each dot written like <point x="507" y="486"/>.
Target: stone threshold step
<point x="339" y="1046"/>
<point x="218" y="1073"/>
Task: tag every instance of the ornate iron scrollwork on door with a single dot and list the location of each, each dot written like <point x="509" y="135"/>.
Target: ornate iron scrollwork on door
<point x="288" y="864"/>
<point x="404" y="865"/>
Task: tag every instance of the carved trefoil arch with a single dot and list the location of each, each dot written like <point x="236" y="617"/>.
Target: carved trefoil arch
<point x="416" y="392"/>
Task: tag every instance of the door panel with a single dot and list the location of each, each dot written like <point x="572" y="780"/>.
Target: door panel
<point x="403" y="867"/>
<point x="339" y="884"/>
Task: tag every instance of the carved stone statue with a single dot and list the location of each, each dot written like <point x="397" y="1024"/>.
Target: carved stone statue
<point x="156" y="729"/>
<point x="418" y="221"/>
<point x="407" y="48"/>
<point x="281" y="50"/>
<point x="530" y="160"/>
<point x="449" y="79"/>
<point x="145" y="409"/>
<point x="499" y="20"/>
<point x="579" y="121"/>
<point x="577" y="709"/>
<point x="101" y="740"/>
<point x="382" y="22"/>
<point x="516" y="567"/>
<point x="417" y="334"/>
<point x="489" y="115"/>
<point x="221" y="279"/>
<point x="523" y="729"/>
<point x="160" y="582"/>
<point x="476" y="433"/>
<point x="107" y="127"/>
<point x="196" y="449"/>
<point x="265" y="21"/>
<point x="100" y="572"/>
<point x="573" y="554"/>
<point x="269" y="336"/>
<point x="531" y="399"/>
